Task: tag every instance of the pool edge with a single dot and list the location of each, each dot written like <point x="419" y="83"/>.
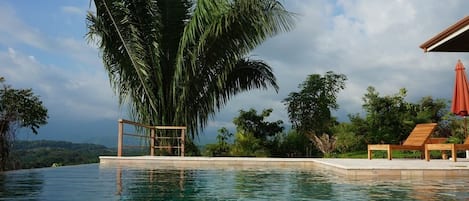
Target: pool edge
<point x="413" y="168"/>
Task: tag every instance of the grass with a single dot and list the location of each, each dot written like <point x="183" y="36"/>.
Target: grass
<point x="382" y="154"/>
<point x="354" y="154"/>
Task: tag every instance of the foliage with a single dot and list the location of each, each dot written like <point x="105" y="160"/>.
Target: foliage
<point x="19" y="108"/>
<point x="390" y="118"/>
<point x="347" y="139"/>
<point x="254" y="135"/>
<point x="428" y="109"/>
<point x="293" y="144"/>
<point x="246" y="144"/>
<point x="310" y="109"/>
<point x="457" y="127"/>
<point x="178" y="62"/>
<point x="44" y="153"/>
<point x="191" y="148"/>
<point x="222" y="148"/>
<point x="251" y="122"/>
<point x="386" y="117"/>
<point x="325" y="143"/>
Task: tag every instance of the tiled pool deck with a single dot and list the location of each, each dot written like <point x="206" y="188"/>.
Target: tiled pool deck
<point x="403" y="168"/>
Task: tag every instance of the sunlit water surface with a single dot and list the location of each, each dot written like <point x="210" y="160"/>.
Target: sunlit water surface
<point x="92" y="182"/>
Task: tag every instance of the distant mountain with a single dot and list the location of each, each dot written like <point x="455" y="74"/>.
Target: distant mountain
<point x="47" y="153"/>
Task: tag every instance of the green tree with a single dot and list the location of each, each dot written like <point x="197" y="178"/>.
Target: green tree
<point x="454" y="127"/>
<point x="251" y="122"/>
<point x="431" y="109"/>
<point x="293" y="144"/>
<point x="390" y="118"/>
<point x="178" y="62"/>
<point x="387" y="117"/>
<point x="348" y="136"/>
<point x="19" y="108"/>
<point x="310" y="109"/>
<point x="434" y="110"/>
<point x="254" y="135"/>
<point x="245" y="144"/>
<point x="191" y="148"/>
<point x="222" y="148"/>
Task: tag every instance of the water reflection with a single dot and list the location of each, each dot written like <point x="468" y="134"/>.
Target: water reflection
<point x="425" y="189"/>
<point x="314" y="185"/>
<point x="20" y="184"/>
<point x="157" y="184"/>
<point x="119" y="181"/>
<point x="440" y="189"/>
<point x="231" y="184"/>
<point x="93" y="182"/>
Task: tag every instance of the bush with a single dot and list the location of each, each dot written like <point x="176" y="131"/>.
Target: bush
<point x="295" y="144"/>
<point x="248" y="145"/>
<point x="347" y="139"/>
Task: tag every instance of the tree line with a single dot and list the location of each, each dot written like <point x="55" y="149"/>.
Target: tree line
<point x="46" y="153"/>
<point x="315" y="132"/>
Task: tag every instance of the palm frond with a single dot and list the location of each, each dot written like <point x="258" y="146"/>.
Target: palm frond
<point x="177" y="62"/>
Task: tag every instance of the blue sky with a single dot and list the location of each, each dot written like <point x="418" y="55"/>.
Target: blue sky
<point x="373" y="42"/>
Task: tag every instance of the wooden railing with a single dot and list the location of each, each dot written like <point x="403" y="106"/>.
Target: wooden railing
<point x="153" y="137"/>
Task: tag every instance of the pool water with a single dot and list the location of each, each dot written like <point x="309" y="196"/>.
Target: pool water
<point x="95" y="182"/>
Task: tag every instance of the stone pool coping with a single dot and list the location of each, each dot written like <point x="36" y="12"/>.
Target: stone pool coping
<point x="403" y="168"/>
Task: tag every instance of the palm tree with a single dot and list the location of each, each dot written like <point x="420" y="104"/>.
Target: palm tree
<point x="178" y="62"/>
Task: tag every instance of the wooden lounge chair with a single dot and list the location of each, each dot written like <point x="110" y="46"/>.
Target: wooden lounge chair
<point x="446" y="147"/>
<point x="416" y="141"/>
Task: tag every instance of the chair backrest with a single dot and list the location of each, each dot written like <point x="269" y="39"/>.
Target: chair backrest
<point x="420" y="134"/>
<point x="467" y="140"/>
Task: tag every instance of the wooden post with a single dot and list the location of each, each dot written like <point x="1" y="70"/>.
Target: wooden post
<point x="183" y="141"/>
<point x="152" y="142"/>
<point x="120" y="134"/>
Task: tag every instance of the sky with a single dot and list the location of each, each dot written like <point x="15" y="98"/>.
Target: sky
<point x="375" y="43"/>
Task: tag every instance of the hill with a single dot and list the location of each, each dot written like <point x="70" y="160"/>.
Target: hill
<point x="46" y="153"/>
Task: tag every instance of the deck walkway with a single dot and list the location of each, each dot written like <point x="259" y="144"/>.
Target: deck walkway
<point x="403" y="168"/>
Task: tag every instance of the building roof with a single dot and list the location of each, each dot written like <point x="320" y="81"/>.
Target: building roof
<point x="453" y="39"/>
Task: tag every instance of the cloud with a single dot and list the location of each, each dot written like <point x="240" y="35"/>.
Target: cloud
<point x="376" y="17"/>
<point x="62" y="69"/>
<point x="14" y="31"/>
<point x="66" y="92"/>
<point x="79" y="50"/>
<point x="374" y="43"/>
<point x="73" y="10"/>
<point x="66" y="71"/>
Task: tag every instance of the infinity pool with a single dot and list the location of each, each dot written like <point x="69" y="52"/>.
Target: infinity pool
<point x="95" y="182"/>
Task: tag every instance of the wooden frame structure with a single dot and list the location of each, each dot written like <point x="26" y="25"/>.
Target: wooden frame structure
<point x="153" y="137"/>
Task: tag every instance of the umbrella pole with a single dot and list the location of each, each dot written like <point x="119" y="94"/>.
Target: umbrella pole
<point x="465" y="127"/>
<point x="465" y="135"/>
